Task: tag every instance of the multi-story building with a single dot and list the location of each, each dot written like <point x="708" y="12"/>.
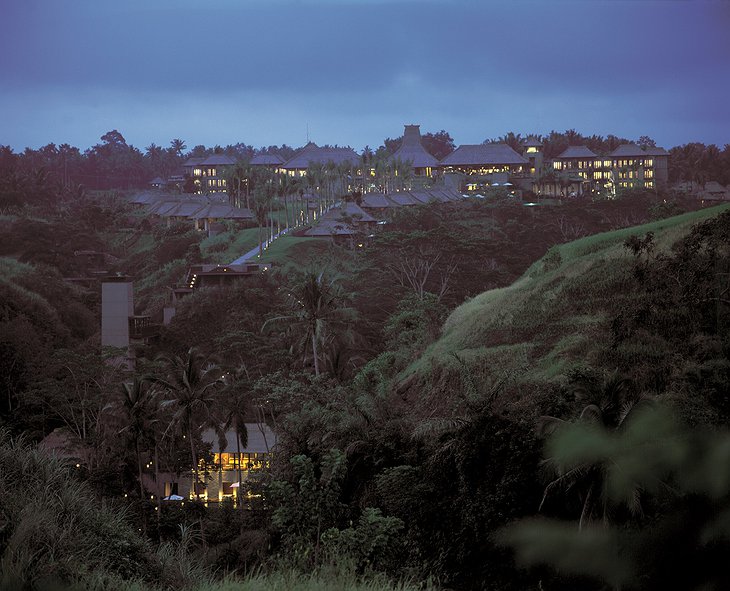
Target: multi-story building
<point x="628" y="166"/>
<point x="209" y="173"/>
<point x="636" y="166"/>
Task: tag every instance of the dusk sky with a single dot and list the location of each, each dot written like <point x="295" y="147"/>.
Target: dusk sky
<point x="354" y="71"/>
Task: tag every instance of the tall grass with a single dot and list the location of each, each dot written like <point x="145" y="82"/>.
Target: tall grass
<point x="53" y="528"/>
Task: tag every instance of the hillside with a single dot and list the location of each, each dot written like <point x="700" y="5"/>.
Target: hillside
<point x="558" y="316"/>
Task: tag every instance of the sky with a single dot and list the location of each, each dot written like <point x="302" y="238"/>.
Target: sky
<point x="353" y="72"/>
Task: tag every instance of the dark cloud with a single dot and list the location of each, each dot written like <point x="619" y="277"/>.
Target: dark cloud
<point x="476" y="68"/>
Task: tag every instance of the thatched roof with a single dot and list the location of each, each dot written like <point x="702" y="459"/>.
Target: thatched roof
<point x="411" y="150"/>
<point x="483" y="154"/>
<point x="313" y="154"/>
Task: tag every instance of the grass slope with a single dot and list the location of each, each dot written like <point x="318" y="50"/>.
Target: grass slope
<point x="547" y="321"/>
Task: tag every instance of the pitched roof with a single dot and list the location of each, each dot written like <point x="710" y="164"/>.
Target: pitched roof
<point x="223" y="211"/>
<point x="266" y="160"/>
<point x="476" y="154"/>
<point x="411" y="150"/>
<point x="633" y="150"/>
<point x="403" y="198"/>
<point x="532" y="142"/>
<point x="312" y="153"/>
<point x="376" y="201"/>
<point x="350" y="210"/>
<point x="184" y="209"/>
<point x="330" y="228"/>
<point x="578" y="152"/>
<point x="193" y="161"/>
<point x="218" y="160"/>
<point x="261" y="439"/>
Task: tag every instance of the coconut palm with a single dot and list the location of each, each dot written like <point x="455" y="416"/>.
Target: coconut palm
<point x="608" y="406"/>
<point x="236" y="406"/>
<point x="178" y="146"/>
<point x="316" y="302"/>
<point x="139" y="406"/>
<point x="192" y="383"/>
<point x="262" y="211"/>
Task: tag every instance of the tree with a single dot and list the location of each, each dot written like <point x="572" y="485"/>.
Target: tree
<point x="315" y="302"/>
<point x="687" y="474"/>
<point x="236" y="406"/>
<point x="192" y="382"/>
<point x="609" y="406"/>
<point x="178" y="146"/>
<point x="439" y="144"/>
<point x="262" y="210"/>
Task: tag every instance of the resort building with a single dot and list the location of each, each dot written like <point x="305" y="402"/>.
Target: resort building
<point x="636" y="166"/>
<point x="208" y="174"/>
<point x="485" y="159"/>
<point x="412" y="151"/>
<point x="221" y="474"/>
<point x="312" y="154"/>
<point x="270" y="161"/>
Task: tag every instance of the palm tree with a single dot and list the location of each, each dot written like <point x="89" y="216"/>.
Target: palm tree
<point x="261" y="211"/>
<point x="315" y="302"/>
<point x="139" y="405"/>
<point x="192" y="383"/>
<point x="236" y="406"/>
<point x="178" y="146"/>
<point x="608" y="406"/>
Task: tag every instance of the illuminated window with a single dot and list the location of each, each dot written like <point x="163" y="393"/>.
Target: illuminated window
<point x="197" y="172"/>
<point x="648" y="162"/>
<point x="557" y="165"/>
<point x="648" y="174"/>
<point x="607" y="163"/>
<point x="531" y="150"/>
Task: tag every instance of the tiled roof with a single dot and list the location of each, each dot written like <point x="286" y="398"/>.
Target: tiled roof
<point x="193" y="161"/>
<point x="476" y="154"/>
<point x="266" y="160"/>
<point x="577" y="152"/>
<point x="411" y="150"/>
<point x="633" y="150"/>
<point x="532" y="142"/>
<point x="312" y="153"/>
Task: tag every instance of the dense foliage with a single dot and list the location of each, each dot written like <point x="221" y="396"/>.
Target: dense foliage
<point x="410" y="408"/>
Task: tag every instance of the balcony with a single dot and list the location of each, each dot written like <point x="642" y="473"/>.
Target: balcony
<point x="141" y="327"/>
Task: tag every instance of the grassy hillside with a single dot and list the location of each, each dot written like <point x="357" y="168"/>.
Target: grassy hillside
<point x="552" y="318"/>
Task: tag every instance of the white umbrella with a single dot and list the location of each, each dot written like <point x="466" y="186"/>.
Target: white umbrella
<point x="173" y="498"/>
<point x="234" y="485"/>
